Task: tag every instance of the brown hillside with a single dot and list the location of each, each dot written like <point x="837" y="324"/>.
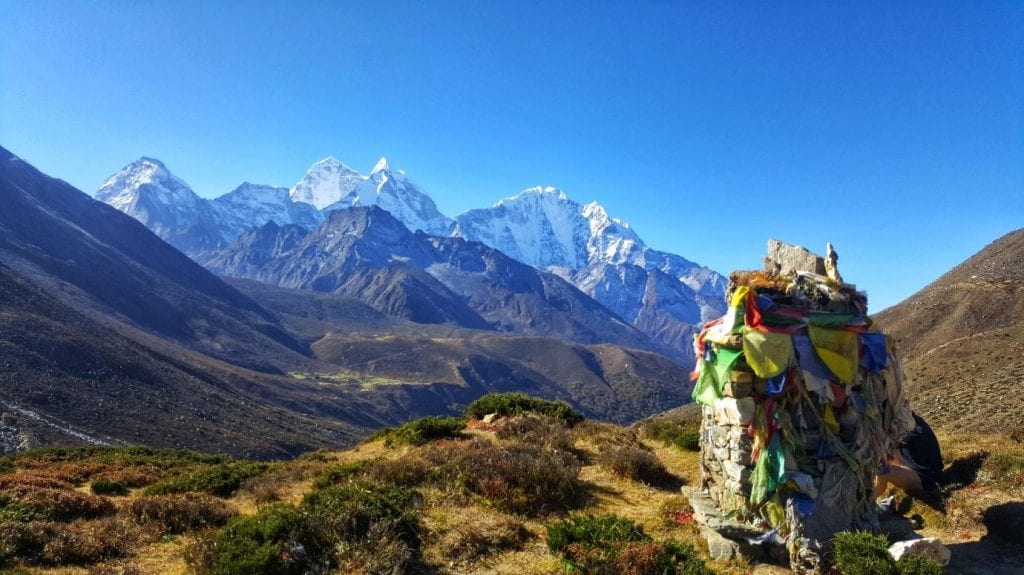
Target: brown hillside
<point x="962" y="338"/>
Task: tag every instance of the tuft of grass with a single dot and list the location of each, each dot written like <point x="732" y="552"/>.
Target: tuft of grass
<point x="861" y="553"/>
<point x="342" y="473"/>
<point x="635" y="463"/>
<point x="914" y="565"/>
<point x="422" y="430"/>
<point x="544" y="431"/>
<point x="221" y="480"/>
<point x="506" y="404"/>
<point x="107" y="487"/>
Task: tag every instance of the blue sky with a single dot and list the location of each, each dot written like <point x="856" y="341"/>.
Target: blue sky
<point x="895" y="132"/>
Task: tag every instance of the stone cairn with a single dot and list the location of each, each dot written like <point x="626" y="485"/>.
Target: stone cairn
<point x="802" y="403"/>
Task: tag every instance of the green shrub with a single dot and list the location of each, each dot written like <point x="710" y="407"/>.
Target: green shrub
<point x="180" y="513"/>
<point x="684" y="435"/>
<point x="635" y="463"/>
<point x="588" y="530"/>
<point x="221" y="480"/>
<point x="108" y="487"/>
<point x="343" y="472"/>
<point x="669" y="558"/>
<point x="259" y="545"/>
<point x="861" y="553"/>
<point x="914" y="565"/>
<point x="506" y="404"/>
<point x="423" y="430"/>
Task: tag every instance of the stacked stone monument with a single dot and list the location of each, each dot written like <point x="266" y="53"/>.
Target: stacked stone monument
<point x="802" y="404"/>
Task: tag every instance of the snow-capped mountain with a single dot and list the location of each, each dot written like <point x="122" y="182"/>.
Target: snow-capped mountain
<point x="252" y="205"/>
<point x="326" y="182"/>
<point x="146" y="190"/>
<point x="392" y="191"/>
<point x="602" y="256"/>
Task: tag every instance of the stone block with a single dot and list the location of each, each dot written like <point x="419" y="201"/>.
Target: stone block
<point x="736" y="472"/>
<point x="732" y="411"/>
<point x="924" y="547"/>
<point x="786" y="258"/>
<point x="721" y="453"/>
<point x="738" y="390"/>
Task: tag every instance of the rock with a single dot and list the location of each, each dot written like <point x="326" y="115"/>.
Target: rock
<point x="736" y="472"/>
<point x="925" y="547"/>
<point x="732" y="411"/>
<point x="738" y="390"/>
<point x="490" y="417"/>
<point x="786" y="258"/>
<point x="721" y="453"/>
<point x="720" y="548"/>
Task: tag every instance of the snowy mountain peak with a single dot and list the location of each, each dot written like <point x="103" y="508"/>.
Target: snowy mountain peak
<point x="380" y="166"/>
<point x="145" y="175"/>
<point x="326" y="182"/>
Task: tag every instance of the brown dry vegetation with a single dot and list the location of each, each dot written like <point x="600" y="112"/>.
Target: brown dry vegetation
<point x="471" y="513"/>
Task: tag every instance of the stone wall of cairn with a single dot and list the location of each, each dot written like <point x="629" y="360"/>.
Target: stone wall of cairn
<point x="802" y="402"/>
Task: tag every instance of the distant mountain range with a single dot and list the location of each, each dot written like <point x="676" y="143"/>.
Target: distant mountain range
<point x="112" y="336"/>
<point x="663" y="295"/>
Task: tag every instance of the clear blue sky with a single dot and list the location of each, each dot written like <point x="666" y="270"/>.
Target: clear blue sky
<point x="897" y="133"/>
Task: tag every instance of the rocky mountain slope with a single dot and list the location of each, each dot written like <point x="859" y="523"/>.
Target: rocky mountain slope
<point x="662" y="294"/>
<point x="367" y="254"/>
<point x="963" y="342"/>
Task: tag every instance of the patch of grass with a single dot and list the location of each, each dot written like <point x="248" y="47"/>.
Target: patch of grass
<point x="342" y="473"/>
<point x="684" y="435"/>
<point x="506" y="404"/>
<point x="423" y="430"/>
<point x="260" y="544"/>
<point x="543" y="431"/>
<point x="220" y="480"/>
<point x="614" y="544"/>
<point x="861" y="553"/>
<point x="108" y="487"/>
<point x="914" y="565"/>
<point x="180" y="513"/>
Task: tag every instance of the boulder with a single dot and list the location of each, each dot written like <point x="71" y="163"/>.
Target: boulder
<point x="924" y="547"/>
<point x="786" y="258"/>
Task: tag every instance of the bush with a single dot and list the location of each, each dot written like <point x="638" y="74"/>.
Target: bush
<point x="914" y="565"/>
<point x="108" y="487"/>
<point x="359" y="527"/>
<point x="506" y="404"/>
<point x="258" y="545"/>
<point x="613" y="544"/>
<point x="78" y="543"/>
<point x="635" y="463"/>
<point x="861" y="553"/>
<point x="684" y="435"/>
<point x="514" y="478"/>
<point x="54" y="504"/>
<point x="423" y="430"/>
<point x="221" y="480"/>
<point x="180" y="513"/>
<point x="542" y="431"/>
<point x="342" y="473"/>
<point x="409" y="471"/>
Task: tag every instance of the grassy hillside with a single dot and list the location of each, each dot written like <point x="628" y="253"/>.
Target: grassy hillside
<point x="527" y="493"/>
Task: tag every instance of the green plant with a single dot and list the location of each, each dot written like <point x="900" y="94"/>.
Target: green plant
<point x="343" y="472"/>
<point x="514" y="478"/>
<point x="519" y="403"/>
<point x="914" y="565"/>
<point x="423" y="430"/>
<point x="861" y="553"/>
<point x="220" y="480"/>
<point x="180" y="513"/>
<point x="258" y="545"/>
<point x="687" y="440"/>
<point x="108" y="487"/>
